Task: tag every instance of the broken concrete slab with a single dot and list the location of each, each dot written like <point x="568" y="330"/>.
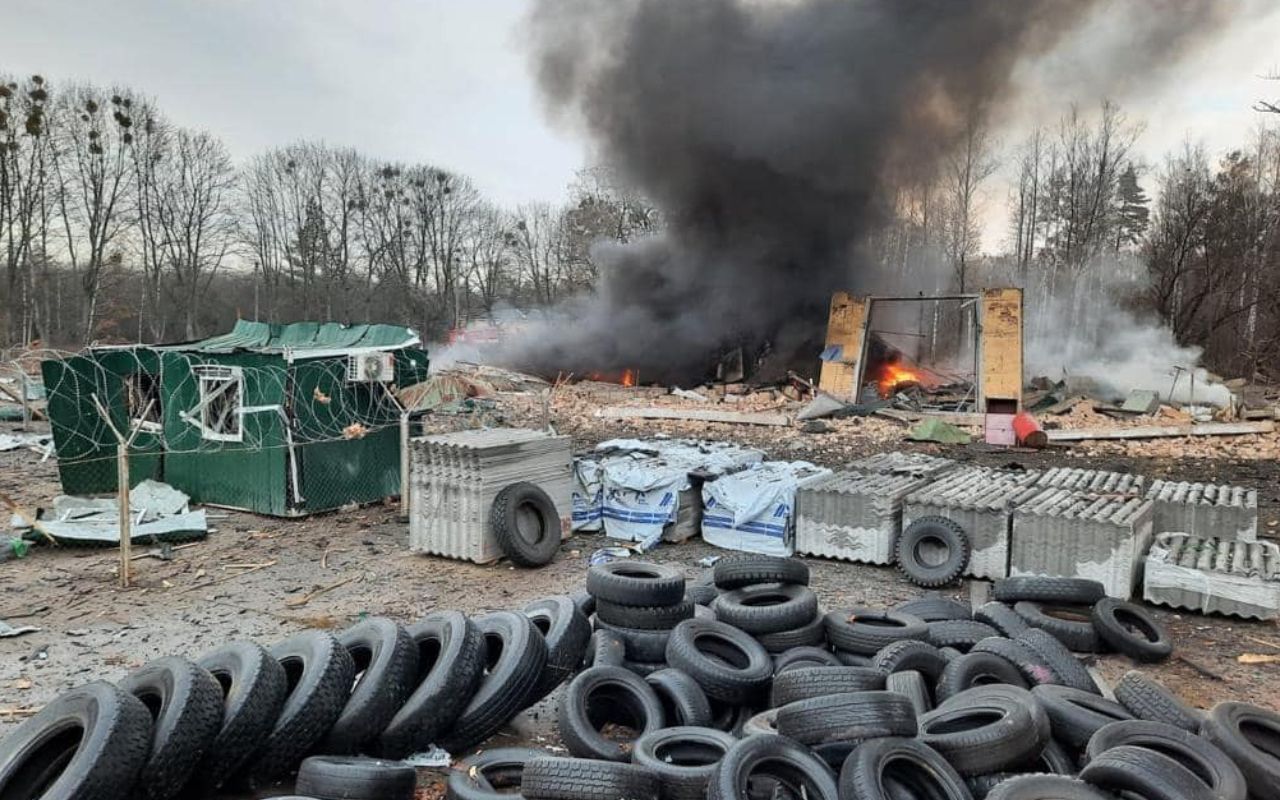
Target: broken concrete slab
<point x="981" y="501"/>
<point x="853" y="516"/>
<point x="1214" y="576"/>
<point x="1068" y="533"/>
<point x="1141" y="401"/>
<point x="1206" y="510"/>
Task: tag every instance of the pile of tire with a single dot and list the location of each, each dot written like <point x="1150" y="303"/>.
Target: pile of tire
<point x="245" y="716"/>
<point x="737" y="687"/>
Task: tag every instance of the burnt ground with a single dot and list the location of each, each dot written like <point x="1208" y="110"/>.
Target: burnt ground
<point x="93" y="629"/>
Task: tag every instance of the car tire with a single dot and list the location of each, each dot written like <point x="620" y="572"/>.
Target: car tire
<point x="1147" y="699"/>
<point x="938" y="533"/>
<point x="1043" y="589"/>
<point x="868" y="630"/>
<point x="911" y="685"/>
<point x="320" y="674"/>
<point x="727" y="663"/>
<point x="748" y="569"/>
<point x="1034" y="669"/>
<point x="975" y="669"/>
<point x="801" y="657"/>
<point x="812" y="634"/>
<point x="1071" y="625"/>
<point x="1207" y="761"/>
<point x="683" y="701"/>
<point x="386" y="661"/>
<point x="605" y="648"/>
<point x="565" y="632"/>
<point x="490" y="775"/>
<point x="1076" y="715"/>
<point x="356" y="778"/>
<point x="1131" y="630"/>
<point x="525" y="524"/>
<point x="1038" y="787"/>
<point x="185" y="702"/>
<point x="38" y="761"/>
<point x="1248" y="735"/>
<point x="1067" y="667"/>
<point x="515" y="655"/>
<point x="1002" y="617"/>
<point x="450" y="653"/>
<point x="253" y="691"/>
<point x="911" y="655"/>
<point x="803" y="684"/>
<point x="635" y="583"/>
<point x="962" y="634"/>
<point x="933" y="607"/>
<point x="852" y="717"/>
<point x="767" y="607"/>
<point x="659" y="618"/>
<point x="603" y="695"/>
<point x="683" y="758"/>
<point x="987" y="729"/>
<point x="638" y="644"/>
<point x="757" y="759"/>
<point x="1147" y="773"/>
<point x="585" y="779"/>
<point x="897" y="767"/>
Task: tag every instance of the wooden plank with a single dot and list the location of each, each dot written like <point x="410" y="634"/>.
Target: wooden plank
<point x="949" y="417"/>
<point x="1001" y="347"/>
<point x="694" y="415"/>
<point x="1163" y="431"/>
<point x="846" y="326"/>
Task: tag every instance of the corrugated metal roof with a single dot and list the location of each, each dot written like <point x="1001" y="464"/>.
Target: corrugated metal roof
<point x="304" y="338"/>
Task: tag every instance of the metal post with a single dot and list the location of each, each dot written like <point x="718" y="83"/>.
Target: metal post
<point x="126" y="540"/>
<point x="404" y="464"/>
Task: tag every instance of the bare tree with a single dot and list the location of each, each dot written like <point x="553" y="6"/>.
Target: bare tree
<point x="966" y="170"/>
<point x="95" y="177"/>
<point x="488" y="254"/>
<point x="535" y="243"/>
<point x="25" y="196"/>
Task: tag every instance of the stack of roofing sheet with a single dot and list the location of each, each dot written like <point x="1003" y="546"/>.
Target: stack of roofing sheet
<point x="853" y="516"/>
<point x="1206" y="510"/>
<point x="1214" y="575"/>
<point x="455" y="477"/>
<point x="754" y="509"/>
<point x="898" y="463"/>
<point x="1077" y="534"/>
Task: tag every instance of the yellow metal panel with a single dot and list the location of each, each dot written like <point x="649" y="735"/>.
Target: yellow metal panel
<point x="845" y="327"/>
<point x="1001" y="345"/>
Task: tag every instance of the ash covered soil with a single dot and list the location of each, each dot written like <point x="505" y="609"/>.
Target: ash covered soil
<point x="250" y="577"/>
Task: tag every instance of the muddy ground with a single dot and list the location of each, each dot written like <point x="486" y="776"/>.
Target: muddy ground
<point x="248" y="579"/>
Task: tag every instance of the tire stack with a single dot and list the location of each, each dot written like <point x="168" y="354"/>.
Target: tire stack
<point x="924" y="700"/>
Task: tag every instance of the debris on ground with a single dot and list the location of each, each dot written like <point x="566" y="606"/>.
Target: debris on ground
<point x="935" y="430"/>
<point x="159" y="513"/>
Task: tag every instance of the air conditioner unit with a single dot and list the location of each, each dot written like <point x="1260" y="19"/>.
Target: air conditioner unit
<point x="371" y="367"/>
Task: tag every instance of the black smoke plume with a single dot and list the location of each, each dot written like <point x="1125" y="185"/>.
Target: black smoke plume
<point x="770" y="135"/>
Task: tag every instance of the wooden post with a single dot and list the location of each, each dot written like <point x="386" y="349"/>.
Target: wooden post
<point x="122" y="494"/>
<point x="123" y="443"/>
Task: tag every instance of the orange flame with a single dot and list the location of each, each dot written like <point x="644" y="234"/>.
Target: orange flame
<point x="892" y="376"/>
<point x="628" y="378"/>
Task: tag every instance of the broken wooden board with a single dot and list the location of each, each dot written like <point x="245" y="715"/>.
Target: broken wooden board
<point x="1163" y="431"/>
<point x="695" y="415"/>
<point x="949" y="417"/>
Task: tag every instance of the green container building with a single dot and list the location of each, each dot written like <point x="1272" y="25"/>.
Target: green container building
<point x="283" y="420"/>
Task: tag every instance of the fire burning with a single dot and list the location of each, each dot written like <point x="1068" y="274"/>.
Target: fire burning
<point x="893" y="377"/>
<point x="626" y="377"/>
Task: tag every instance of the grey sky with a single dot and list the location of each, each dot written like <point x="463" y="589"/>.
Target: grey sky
<point x="445" y="81"/>
<point x="439" y="81"/>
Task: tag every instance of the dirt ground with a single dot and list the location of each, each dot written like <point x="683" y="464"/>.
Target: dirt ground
<point x="248" y="578"/>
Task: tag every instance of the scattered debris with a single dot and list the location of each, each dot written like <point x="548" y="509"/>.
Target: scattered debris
<point x="159" y="513"/>
<point x="699" y="415"/>
<point x="823" y="405"/>
<point x="688" y="395"/>
<point x="302" y="600"/>
<point x="8" y="631"/>
<point x="1163" y="431"/>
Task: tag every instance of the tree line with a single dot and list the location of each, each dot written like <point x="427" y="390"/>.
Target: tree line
<point x="118" y="225"/>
